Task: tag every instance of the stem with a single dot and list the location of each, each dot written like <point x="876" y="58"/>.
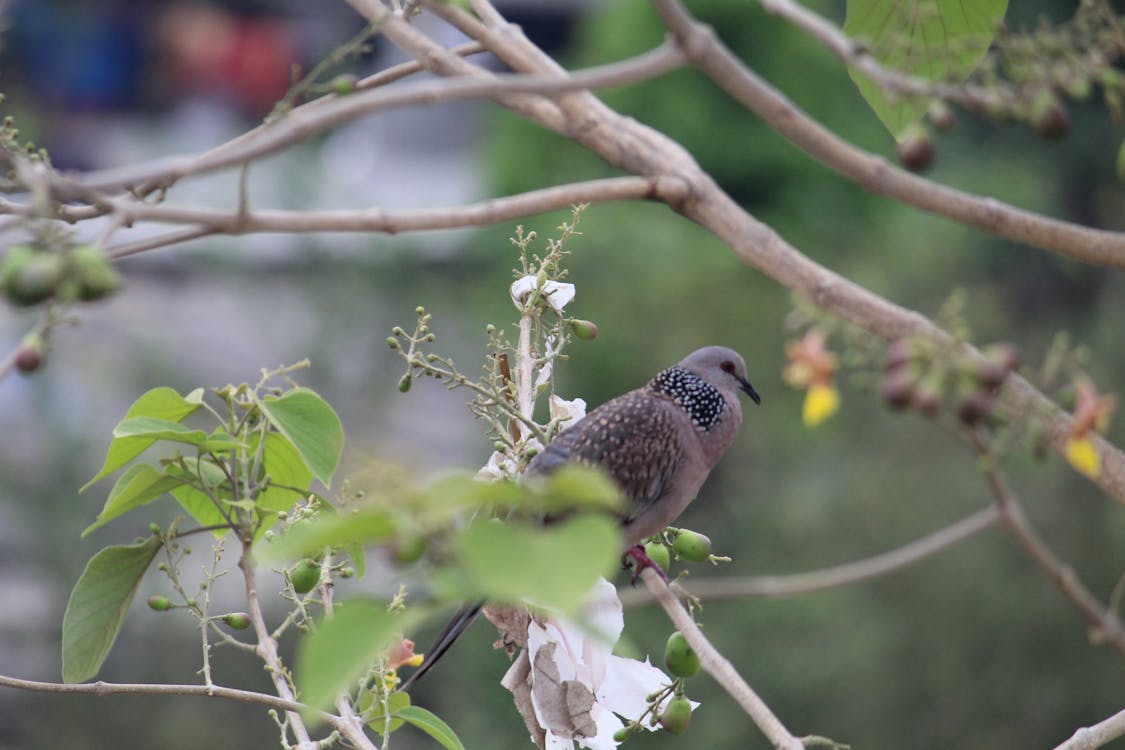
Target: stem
<point x="719" y="667"/>
<point x="267" y="649"/>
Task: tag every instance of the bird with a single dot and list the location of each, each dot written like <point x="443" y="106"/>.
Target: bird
<point x="658" y="443"/>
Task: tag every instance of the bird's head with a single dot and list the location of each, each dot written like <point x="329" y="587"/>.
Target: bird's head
<point x="722" y="367"/>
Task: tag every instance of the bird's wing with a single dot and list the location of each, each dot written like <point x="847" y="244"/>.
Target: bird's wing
<point x="633" y="438"/>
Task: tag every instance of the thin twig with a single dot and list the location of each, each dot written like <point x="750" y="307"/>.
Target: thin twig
<point x="125" y="688"/>
<point x="1106" y="627"/>
<point x="834" y="577"/>
<point x="267" y="648"/>
<point x="206" y="221"/>
<point x="1088" y="738"/>
<point x="717" y="665"/>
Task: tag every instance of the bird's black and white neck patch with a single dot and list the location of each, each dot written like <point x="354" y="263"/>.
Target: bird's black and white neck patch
<point x="701" y="400"/>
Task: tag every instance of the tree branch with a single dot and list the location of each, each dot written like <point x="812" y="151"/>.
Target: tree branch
<point x="836" y="576"/>
<point x="127" y="688"/>
<point x="206" y="221"/>
<point x="703" y="48"/>
<point x="717" y="665"/>
<point x="1088" y="738"/>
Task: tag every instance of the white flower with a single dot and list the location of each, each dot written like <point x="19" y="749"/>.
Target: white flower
<point x="568" y="412"/>
<point x="544" y="375"/>
<point x="578" y="687"/>
<point x="557" y="293"/>
<point x="499" y="467"/>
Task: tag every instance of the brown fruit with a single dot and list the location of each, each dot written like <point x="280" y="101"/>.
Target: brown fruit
<point x="916" y="149"/>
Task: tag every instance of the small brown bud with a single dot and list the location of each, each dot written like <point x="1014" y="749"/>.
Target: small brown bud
<point x="916" y="149"/>
<point x="974" y="407"/>
<point x="898" y="387"/>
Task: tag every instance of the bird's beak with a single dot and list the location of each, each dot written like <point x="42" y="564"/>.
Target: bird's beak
<point x="745" y="387"/>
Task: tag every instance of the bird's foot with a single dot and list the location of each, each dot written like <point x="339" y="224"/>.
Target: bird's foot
<point x="637" y="559"/>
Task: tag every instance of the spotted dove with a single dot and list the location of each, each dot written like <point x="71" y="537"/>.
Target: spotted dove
<point x="658" y="442"/>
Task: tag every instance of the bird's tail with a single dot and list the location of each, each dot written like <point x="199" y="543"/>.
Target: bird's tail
<point x="457" y="625"/>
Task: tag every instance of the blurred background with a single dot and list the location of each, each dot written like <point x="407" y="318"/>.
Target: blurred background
<point x="972" y="649"/>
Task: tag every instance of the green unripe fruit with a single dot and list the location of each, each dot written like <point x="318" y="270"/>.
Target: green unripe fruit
<point x="676" y="716"/>
<point x="692" y="546"/>
<point x="659" y="554"/>
<point x="236" y="620"/>
<point x="343" y="84"/>
<point x="405" y="382"/>
<point x="93" y="272"/>
<point x="392" y="342"/>
<point x="30" y="277"/>
<point x="621" y="735"/>
<point x="409" y="550"/>
<point x="584" y="329"/>
<point x="679" y="657"/>
<point x="304" y="576"/>
<point x="159" y="603"/>
<point x="154" y="527"/>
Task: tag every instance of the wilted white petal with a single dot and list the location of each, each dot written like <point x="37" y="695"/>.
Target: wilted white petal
<point x="568" y="412"/>
<point x="522" y="287"/>
<point x="627" y="684"/>
<point x="557" y="293"/>
<point x="544" y="374"/>
<point x="499" y="467"/>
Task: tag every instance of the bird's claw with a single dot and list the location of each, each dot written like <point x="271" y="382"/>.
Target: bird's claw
<point x="637" y="559"/>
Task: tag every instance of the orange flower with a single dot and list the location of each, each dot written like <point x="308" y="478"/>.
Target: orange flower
<point x="813" y="367"/>
<point x="1092" y="413"/>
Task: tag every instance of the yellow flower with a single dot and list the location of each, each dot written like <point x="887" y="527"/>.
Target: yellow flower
<point x="1083" y="456"/>
<point x="821" y="402"/>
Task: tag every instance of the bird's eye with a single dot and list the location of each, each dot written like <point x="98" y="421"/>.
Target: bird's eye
<point x="727" y="366"/>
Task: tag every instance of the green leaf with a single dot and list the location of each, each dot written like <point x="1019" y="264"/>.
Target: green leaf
<point x="284" y="466"/>
<point x="574" y="487"/>
<point x="139" y="485"/>
<point x="552" y="566"/>
<point x="311" y="426"/>
<point x="341" y="649"/>
<point x="158" y="429"/>
<point x="219" y="441"/>
<point x="431" y="725"/>
<point x="98" y="605"/>
<point x="938" y="40"/>
<point x="396" y="701"/>
<point x="368" y="526"/>
<point x="195" y="501"/>
<point x="160" y="403"/>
